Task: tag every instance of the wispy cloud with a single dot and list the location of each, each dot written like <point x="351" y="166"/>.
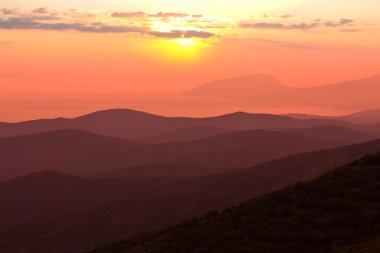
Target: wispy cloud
<point x="278" y="26"/>
<point x="151" y="15"/>
<point x="296" y="26"/>
<point x="182" y="34"/>
<point x="160" y="24"/>
<point x="293" y="45"/>
<point x="25" y="23"/>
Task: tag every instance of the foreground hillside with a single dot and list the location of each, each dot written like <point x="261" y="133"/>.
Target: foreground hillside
<point x="335" y="210"/>
<point x="53" y="212"/>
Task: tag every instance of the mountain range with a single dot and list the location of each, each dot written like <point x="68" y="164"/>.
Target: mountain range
<point x="79" y="152"/>
<point x="54" y="212"/>
<point x="263" y="89"/>
<point x="135" y="125"/>
<point x="69" y="185"/>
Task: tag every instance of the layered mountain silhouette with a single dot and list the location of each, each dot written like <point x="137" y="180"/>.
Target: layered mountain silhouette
<point x="53" y="212"/>
<point x="187" y="134"/>
<point x="363" y="117"/>
<point x="324" y="215"/>
<point x="136" y="125"/>
<point x="265" y="89"/>
<point x="79" y="152"/>
<point x="161" y="170"/>
<point x="240" y="87"/>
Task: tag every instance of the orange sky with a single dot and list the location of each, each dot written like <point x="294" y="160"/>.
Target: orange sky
<point x="73" y="49"/>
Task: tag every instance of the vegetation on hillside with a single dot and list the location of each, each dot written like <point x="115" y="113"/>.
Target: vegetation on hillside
<point x="328" y="214"/>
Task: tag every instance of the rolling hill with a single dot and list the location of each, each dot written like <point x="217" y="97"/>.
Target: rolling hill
<point x="363" y="117"/>
<point x="136" y="125"/>
<point x="187" y="134"/>
<point x="308" y="217"/>
<point x="113" y="209"/>
<point x="70" y="151"/>
<point x="78" y="152"/>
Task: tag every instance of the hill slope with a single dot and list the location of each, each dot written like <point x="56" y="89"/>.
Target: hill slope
<point x="334" y="210"/>
<point x="187" y="134"/>
<point x="70" y="151"/>
<point x="127" y="207"/>
<point x="78" y="152"/>
<point x="363" y="117"/>
<point x="136" y="125"/>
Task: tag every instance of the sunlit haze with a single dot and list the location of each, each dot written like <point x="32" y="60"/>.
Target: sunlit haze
<point x="66" y="58"/>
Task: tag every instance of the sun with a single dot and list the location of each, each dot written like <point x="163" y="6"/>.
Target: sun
<point x="185" y="42"/>
<point x="181" y="49"/>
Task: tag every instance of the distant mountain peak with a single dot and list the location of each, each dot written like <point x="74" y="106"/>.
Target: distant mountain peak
<point x="118" y="112"/>
<point x="242" y="86"/>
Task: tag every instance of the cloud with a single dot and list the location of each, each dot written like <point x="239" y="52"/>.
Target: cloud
<point x="351" y="30"/>
<point x="290" y="44"/>
<point x="182" y="34"/>
<point x="6" y="11"/>
<point x="22" y="23"/>
<point x="128" y="14"/>
<point x="300" y="26"/>
<point x="150" y="15"/>
<point x="99" y="22"/>
<point x="284" y="16"/>
<point x="42" y="10"/>
<point x="278" y="26"/>
<point x="342" y="22"/>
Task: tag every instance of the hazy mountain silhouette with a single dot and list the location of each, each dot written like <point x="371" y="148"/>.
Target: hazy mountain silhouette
<point x="109" y="209"/>
<point x="78" y="152"/>
<point x="135" y="125"/>
<point x="337" y="133"/>
<point x="161" y="170"/>
<point x="361" y="93"/>
<point x="307" y="116"/>
<point x="363" y="117"/>
<point x="187" y="134"/>
<point x="333" y="211"/>
<point x="239" y="87"/>
<point x="70" y="151"/>
<point x="47" y="195"/>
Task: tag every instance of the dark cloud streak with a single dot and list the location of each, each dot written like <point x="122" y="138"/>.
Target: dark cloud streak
<point x="182" y="34"/>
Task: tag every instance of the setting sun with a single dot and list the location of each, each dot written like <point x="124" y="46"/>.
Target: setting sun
<point x="122" y="117"/>
<point x="185" y="42"/>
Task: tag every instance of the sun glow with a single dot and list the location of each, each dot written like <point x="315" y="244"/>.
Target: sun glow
<point x="182" y="49"/>
<point x="185" y="42"/>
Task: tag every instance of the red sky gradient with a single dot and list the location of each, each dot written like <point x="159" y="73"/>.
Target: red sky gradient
<point x="57" y="61"/>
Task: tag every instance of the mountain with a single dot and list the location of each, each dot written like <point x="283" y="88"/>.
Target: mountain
<point x="121" y="123"/>
<point x="47" y="194"/>
<point x="360" y="93"/>
<point x="337" y="133"/>
<point x="306" y="116"/>
<point x="161" y="170"/>
<point x="79" y="152"/>
<point x="136" y="125"/>
<point x="334" y="210"/>
<point x="187" y="134"/>
<point x="69" y="151"/>
<point x="363" y="117"/>
<point x="239" y="87"/>
<point x="90" y="212"/>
